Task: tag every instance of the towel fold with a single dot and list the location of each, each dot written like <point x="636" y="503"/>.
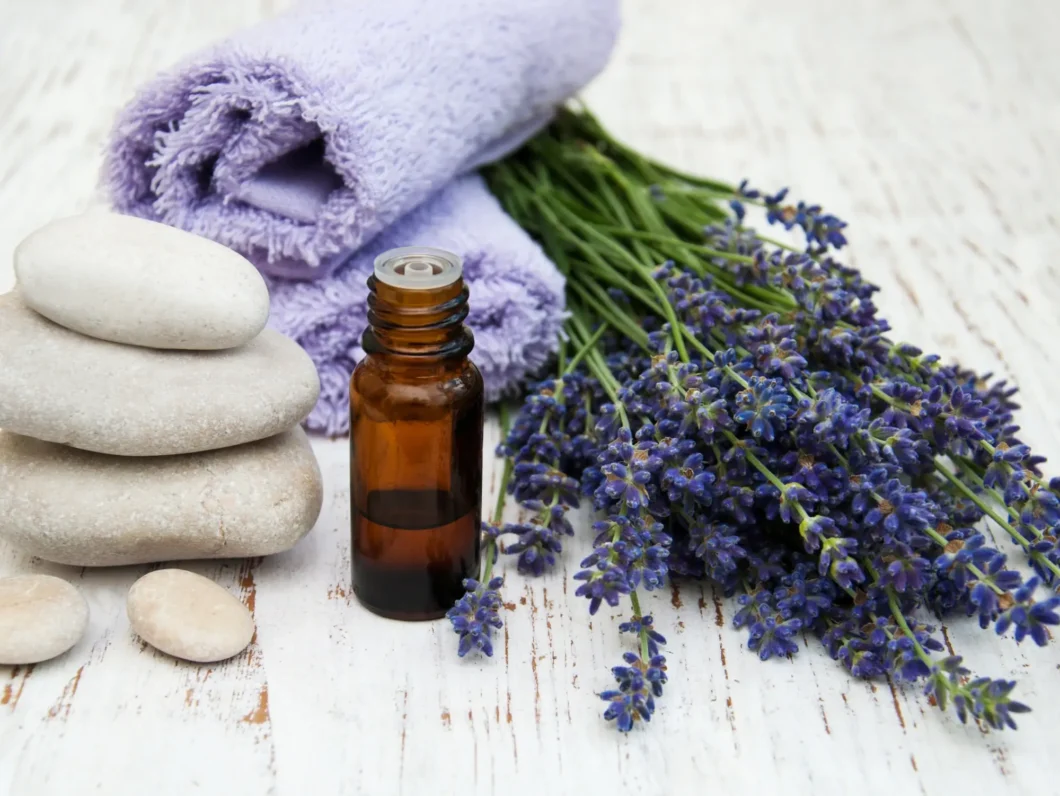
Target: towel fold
<point x="515" y="303"/>
<point x="298" y="140"/>
<point x="342" y="128"/>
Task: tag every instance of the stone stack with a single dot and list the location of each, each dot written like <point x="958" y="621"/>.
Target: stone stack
<point x="147" y="413"/>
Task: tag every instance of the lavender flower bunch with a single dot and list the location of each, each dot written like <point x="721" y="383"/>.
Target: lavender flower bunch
<point x="736" y="412"/>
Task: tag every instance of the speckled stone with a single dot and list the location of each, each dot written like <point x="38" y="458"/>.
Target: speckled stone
<point x="61" y="386"/>
<point x="139" y="282"/>
<point x="40" y="617"/>
<point x="188" y="616"/>
<point x="89" y="509"/>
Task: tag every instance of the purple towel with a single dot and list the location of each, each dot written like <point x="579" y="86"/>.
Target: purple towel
<point x="298" y="140"/>
<point x="516" y="297"/>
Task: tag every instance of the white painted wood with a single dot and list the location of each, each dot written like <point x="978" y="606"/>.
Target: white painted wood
<point x="931" y="126"/>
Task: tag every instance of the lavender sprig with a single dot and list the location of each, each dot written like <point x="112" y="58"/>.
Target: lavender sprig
<point x="476" y="614"/>
<point x="641" y="680"/>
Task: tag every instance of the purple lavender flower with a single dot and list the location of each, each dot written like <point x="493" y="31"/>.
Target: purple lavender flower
<point x="764" y="407"/>
<point x="537" y="547"/>
<point x="639" y="683"/>
<point x="1029" y="617"/>
<point x="475" y="615"/>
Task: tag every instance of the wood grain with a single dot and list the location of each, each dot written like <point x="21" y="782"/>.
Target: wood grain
<point x="931" y="126"/>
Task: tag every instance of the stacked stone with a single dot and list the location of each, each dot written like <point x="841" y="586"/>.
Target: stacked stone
<point x="147" y="413"/>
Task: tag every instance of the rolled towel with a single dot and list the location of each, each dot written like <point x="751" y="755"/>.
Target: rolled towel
<point x="298" y="140"/>
<point x="516" y="297"/>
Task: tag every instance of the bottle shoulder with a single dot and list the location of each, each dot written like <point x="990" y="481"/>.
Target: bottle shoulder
<point x="386" y="384"/>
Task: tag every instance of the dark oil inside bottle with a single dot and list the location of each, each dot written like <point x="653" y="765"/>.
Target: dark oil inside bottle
<point x="413" y="542"/>
<point x="415" y="548"/>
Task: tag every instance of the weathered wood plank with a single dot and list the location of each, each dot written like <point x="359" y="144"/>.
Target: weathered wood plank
<point x="929" y="126"/>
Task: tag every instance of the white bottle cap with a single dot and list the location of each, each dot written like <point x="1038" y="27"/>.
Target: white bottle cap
<point x="418" y="268"/>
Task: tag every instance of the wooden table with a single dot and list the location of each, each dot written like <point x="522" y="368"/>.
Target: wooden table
<point x="932" y="126"/>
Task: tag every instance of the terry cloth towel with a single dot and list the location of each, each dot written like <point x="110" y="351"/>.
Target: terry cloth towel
<point x="298" y="140"/>
<point x="515" y="303"/>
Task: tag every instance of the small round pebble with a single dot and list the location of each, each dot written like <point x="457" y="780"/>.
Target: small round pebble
<point x="40" y="617"/>
<point x="188" y="616"/>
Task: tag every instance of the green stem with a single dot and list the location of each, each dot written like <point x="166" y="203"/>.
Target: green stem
<point x="899" y="617"/>
<point x="620" y="213"/>
<point x="635" y="601"/>
<point x="770" y="476"/>
<point x="639" y="268"/>
<point x="781" y="244"/>
<point x="586" y="348"/>
<point x="590" y="278"/>
<point x="487" y="569"/>
<point x="983" y="506"/>
<point x="589" y="126"/>
<point x="604" y="306"/>
<point x="1016" y="536"/>
<point x="597" y="366"/>
<point x="506" y="474"/>
<point x="669" y="239"/>
<point x="976" y="479"/>
<point x="502" y="492"/>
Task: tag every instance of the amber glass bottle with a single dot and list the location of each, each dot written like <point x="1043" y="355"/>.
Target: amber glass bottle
<point x="415" y="439"/>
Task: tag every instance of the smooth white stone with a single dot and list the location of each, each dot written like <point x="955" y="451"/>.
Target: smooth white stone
<point x="89" y="509"/>
<point x="61" y="386"/>
<point x="188" y="616"/>
<point x="139" y="282"/>
<point x="40" y="617"/>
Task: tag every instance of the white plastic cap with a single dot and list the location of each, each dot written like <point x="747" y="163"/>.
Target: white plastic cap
<point x="418" y="267"/>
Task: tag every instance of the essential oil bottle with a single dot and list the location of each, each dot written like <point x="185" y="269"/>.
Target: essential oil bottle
<point x="416" y="407"/>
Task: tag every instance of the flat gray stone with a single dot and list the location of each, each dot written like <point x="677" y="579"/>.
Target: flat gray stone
<point x="139" y="282"/>
<point x="188" y="616"/>
<point x="89" y="509"/>
<point x="40" y="617"/>
<point x="61" y="386"/>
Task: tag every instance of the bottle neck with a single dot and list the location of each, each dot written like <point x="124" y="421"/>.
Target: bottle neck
<point x="417" y="323"/>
